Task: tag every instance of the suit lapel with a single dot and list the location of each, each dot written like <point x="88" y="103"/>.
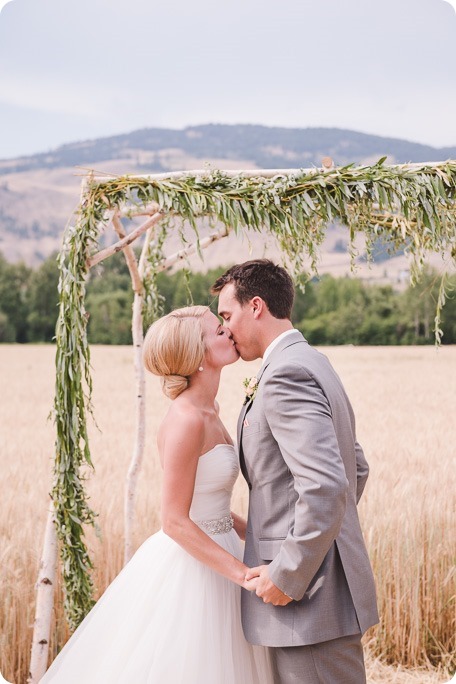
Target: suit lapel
<point x="240" y="426"/>
<point x="283" y="344"/>
<point x="240" y="423"/>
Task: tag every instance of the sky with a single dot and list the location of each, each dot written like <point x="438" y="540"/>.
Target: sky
<point x="76" y="70"/>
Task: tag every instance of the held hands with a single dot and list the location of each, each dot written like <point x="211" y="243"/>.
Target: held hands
<point x="257" y="580"/>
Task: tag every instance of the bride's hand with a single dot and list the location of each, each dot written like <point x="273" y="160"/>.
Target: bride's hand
<point x="250" y="584"/>
<point x="265" y="587"/>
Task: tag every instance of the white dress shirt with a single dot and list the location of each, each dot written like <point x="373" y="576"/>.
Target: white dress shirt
<point x="276" y="341"/>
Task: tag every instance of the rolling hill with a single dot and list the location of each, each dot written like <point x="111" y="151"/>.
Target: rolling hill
<point x="39" y="193"/>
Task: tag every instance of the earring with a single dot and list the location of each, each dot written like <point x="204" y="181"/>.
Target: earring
<point x="200" y="368"/>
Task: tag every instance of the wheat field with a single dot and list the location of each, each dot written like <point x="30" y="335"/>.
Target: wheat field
<point x="405" y="403"/>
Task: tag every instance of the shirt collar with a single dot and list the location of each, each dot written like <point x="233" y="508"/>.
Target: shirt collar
<point x="276" y="341"/>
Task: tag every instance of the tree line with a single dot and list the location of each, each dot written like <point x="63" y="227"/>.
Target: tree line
<point x="331" y="311"/>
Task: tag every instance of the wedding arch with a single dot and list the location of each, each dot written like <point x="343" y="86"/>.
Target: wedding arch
<point x="412" y="205"/>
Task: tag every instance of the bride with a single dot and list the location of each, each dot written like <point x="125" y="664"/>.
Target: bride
<point x="172" y="615"/>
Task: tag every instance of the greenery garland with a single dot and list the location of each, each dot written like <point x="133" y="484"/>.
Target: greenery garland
<point x="73" y="391"/>
<point x="414" y="206"/>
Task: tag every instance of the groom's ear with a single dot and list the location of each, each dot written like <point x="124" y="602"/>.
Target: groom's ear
<point x="258" y="306"/>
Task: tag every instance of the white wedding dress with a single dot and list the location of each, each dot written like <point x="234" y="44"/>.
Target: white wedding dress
<point x="167" y="618"/>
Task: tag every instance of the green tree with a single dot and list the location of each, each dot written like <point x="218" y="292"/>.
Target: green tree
<point x="109" y="317"/>
<point x="13" y="288"/>
<point x="110" y="275"/>
<point x="418" y="310"/>
<point x="181" y="289"/>
<point x="7" y="332"/>
<point x="304" y="302"/>
<point x="347" y="311"/>
<point x="42" y="301"/>
<point x="417" y="305"/>
<point x="449" y="314"/>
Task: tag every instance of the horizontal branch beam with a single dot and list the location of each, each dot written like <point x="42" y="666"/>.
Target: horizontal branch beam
<point x="170" y="175"/>
<point x="148" y="210"/>
<point x="191" y="249"/>
<point x="248" y="173"/>
<point x="127" y="240"/>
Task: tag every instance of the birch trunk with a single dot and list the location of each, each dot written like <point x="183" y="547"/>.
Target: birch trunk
<point x="138" y="452"/>
<point x="137" y="334"/>
<point x="44" y="602"/>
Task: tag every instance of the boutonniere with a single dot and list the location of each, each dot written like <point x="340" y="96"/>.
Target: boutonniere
<point x="250" y="389"/>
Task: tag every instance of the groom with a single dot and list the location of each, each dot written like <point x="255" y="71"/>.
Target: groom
<point x="313" y="593"/>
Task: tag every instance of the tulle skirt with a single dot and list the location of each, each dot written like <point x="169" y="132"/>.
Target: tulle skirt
<point x="165" y="619"/>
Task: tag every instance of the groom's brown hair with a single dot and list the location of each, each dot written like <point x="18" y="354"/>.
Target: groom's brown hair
<point x="260" y="278"/>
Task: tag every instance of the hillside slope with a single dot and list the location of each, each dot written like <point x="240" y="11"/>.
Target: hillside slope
<point x="39" y="193"/>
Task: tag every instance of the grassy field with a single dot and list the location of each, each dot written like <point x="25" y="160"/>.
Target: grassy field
<point x="405" y="403"/>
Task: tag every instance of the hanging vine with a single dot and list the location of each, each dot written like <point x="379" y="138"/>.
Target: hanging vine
<point x="414" y="205"/>
<point x="153" y="299"/>
<point x="72" y="402"/>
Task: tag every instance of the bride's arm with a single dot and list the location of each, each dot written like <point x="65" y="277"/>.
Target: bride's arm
<point x="240" y="525"/>
<point x="181" y="447"/>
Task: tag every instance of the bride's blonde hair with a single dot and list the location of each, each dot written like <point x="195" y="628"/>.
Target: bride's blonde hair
<point x="174" y="348"/>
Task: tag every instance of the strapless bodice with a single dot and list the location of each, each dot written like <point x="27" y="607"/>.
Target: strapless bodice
<point x="215" y="477"/>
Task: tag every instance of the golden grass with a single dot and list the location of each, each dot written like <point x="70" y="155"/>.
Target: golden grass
<point x="405" y="403"/>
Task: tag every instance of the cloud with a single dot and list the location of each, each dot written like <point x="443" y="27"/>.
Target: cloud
<point x="3" y="3"/>
<point x="110" y="66"/>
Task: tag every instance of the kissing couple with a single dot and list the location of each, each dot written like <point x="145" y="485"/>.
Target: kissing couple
<point x="192" y="607"/>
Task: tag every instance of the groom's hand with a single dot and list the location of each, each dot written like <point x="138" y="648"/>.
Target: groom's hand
<point x="265" y="587"/>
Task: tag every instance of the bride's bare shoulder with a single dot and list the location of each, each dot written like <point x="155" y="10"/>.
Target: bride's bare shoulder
<point x="184" y="408"/>
<point x="183" y="417"/>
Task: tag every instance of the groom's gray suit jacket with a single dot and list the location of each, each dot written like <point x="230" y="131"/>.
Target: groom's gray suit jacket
<point x="306" y="473"/>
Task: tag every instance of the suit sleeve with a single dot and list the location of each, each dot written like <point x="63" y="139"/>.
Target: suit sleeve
<point x="362" y="466"/>
<point x="300" y="420"/>
<point x="362" y="471"/>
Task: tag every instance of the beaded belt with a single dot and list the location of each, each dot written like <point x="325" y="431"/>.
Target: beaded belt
<point x="218" y="526"/>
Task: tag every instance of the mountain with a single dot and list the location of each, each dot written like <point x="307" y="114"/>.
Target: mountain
<point x="38" y="193"/>
<point x="265" y="147"/>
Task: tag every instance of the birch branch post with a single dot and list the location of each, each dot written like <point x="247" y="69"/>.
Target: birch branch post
<point x="44" y="602"/>
<point x="140" y="432"/>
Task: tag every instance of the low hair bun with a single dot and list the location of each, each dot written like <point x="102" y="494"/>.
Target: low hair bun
<point x="173" y="385"/>
<point x="174" y="348"/>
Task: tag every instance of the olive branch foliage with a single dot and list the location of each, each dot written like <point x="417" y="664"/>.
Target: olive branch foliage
<point x="412" y="205"/>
